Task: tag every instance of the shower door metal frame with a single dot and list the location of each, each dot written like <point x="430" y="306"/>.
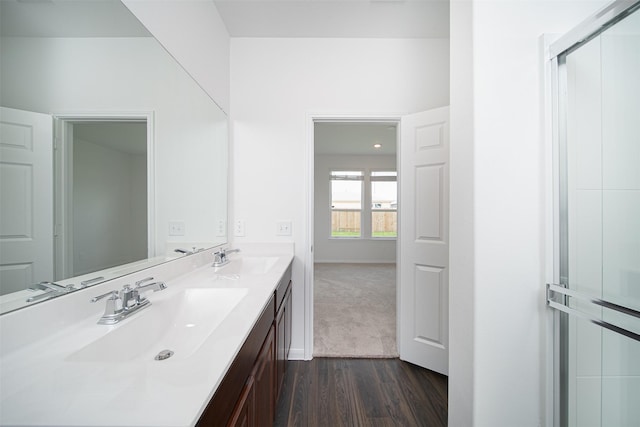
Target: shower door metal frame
<point x="557" y="293"/>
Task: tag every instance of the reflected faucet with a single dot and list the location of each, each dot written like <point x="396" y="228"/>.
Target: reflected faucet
<point x="187" y="251"/>
<point x="86" y="283"/>
<point x="51" y="290"/>
<point x="43" y="286"/>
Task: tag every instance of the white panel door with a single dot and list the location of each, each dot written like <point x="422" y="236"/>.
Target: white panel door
<point x="26" y="199"/>
<point x="423" y="262"/>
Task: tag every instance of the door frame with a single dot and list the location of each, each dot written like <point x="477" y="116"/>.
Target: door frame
<point x="63" y="201"/>
<point x="311" y="120"/>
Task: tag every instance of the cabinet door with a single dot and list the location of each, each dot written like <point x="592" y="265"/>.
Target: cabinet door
<point x="265" y="385"/>
<point x="283" y="339"/>
<point x="287" y="330"/>
<point x="244" y="412"/>
<point x="281" y="326"/>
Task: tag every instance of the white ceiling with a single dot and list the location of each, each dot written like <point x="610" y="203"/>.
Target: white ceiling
<point x="355" y="138"/>
<point x="336" y="18"/>
<point x="243" y="18"/>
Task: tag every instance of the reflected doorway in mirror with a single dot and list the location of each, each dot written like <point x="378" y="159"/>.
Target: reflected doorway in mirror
<point x="104" y="184"/>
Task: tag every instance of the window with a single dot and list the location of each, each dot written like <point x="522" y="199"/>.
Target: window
<point x="346" y="203"/>
<point x="364" y="204"/>
<point x="384" y="204"/>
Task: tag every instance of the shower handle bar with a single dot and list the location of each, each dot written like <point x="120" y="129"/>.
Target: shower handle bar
<point x="571" y="311"/>
<point x="606" y="304"/>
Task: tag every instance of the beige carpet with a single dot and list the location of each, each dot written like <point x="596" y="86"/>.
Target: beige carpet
<point x="354" y="310"/>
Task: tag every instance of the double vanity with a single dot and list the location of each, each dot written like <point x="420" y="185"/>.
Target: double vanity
<point x="208" y="348"/>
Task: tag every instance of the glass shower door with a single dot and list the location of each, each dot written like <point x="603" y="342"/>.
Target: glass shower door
<point x="599" y="229"/>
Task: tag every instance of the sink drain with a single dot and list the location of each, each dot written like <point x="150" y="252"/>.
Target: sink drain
<point x="164" y="354"/>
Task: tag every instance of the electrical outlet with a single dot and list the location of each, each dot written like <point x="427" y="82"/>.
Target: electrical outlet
<point x="238" y="228"/>
<point x="283" y="228"/>
<point x="176" y="228"/>
<point x="221" y="228"/>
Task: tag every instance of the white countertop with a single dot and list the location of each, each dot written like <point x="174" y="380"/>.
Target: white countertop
<point x="42" y="385"/>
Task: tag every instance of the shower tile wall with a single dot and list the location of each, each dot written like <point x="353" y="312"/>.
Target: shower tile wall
<point x="604" y="222"/>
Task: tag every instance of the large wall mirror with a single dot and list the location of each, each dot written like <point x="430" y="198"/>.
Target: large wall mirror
<point x="111" y="155"/>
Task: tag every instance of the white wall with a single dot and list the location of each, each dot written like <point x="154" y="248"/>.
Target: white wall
<point x="108" y="215"/>
<point x="74" y="75"/>
<point x="276" y="83"/>
<point x="193" y="32"/>
<point x="139" y="206"/>
<point x="327" y="249"/>
<point x="504" y="280"/>
<point x="461" y="219"/>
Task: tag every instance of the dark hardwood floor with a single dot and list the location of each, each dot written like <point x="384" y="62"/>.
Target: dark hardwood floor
<point x="361" y="392"/>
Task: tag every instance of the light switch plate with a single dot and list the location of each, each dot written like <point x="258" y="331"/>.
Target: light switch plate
<point x="283" y="228"/>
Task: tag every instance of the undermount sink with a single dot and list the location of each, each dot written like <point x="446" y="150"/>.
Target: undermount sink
<point x="248" y="265"/>
<point x="180" y="323"/>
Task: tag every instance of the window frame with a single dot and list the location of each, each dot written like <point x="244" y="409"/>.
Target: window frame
<point x="358" y="178"/>
<point x="382" y="178"/>
<point x="366" y="203"/>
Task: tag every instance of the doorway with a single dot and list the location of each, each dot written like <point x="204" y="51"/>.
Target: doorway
<point x="355" y="229"/>
<point x="422" y="280"/>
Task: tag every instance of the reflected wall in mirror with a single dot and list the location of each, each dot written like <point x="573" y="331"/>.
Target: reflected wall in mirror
<point x="108" y="196"/>
<point x="70" y="66"/>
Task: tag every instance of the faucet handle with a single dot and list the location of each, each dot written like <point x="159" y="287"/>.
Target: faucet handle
<point x="155" y="287"/>
<point x="140" y="282"/>
<point x="113" y="295"/>
<point x="47" y="286"/>
<point x="112" y="309"/>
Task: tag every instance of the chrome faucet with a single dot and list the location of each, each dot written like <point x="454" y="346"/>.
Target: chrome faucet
<point x="138" y="298"/>
<point x="184" y="251"/>
<point x="51" y="290"/>
<point x="113" y="310"/>
<point x="221" y="256"/>
<point x="88" y="282"/>
<point x="43" y="286"/>
<point x="122" y="304"/>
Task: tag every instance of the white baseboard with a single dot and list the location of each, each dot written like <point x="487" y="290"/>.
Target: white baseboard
<point x="296" y="354"/>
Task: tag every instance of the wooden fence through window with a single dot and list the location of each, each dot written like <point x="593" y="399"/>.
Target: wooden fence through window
<point x="349" y="222"/>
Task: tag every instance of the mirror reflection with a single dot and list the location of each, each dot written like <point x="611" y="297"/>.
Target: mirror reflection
<point x="135" y="140"/>
<point x="109" y="196"/>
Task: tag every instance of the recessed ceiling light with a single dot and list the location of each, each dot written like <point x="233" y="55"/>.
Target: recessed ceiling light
<point x="377" y="146"/>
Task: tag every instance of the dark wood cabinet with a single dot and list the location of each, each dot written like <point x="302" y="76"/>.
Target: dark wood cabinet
<point x="248" y="393"/>
<point x="283" y="338"/>
<point x="244" y="413"/>
<point x="287" y="315"/>
<point x="264" y="380"/>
